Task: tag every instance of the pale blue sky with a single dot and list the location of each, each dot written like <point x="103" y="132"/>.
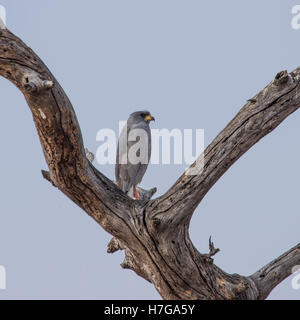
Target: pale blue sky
<point x="193" y="64"/>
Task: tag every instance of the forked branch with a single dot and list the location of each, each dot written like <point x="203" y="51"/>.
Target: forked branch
<point x="152" y="233"/>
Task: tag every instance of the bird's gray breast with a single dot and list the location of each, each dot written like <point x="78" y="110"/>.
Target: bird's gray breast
<point x="133" y="154"/>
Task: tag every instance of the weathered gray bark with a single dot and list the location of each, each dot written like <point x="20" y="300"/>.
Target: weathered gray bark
<point x="153" y="233"/>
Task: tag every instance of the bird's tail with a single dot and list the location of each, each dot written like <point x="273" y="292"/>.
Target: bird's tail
<point x="123" y="186"/>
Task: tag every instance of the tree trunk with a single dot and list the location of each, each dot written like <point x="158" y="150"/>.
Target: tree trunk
<point x="153" y="233"/>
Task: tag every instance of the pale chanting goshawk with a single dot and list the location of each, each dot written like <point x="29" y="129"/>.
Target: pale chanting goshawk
<point x="134" y="151"/>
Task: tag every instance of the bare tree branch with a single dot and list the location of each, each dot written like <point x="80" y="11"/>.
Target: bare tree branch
<point x="61" y="140"/>
<point x="255" y="120"/>
<point x="269" y="276"/>
<point x="153" y="233"/>
<point x="60" y="136"/>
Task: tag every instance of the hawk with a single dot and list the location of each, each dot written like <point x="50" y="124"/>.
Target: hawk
<point x="134" y="151"/>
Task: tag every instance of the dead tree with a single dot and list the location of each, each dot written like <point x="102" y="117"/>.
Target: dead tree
<point x="153" y="233"/>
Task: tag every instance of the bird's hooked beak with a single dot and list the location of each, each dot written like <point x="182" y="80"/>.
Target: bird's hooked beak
<point x="149" y="118"/>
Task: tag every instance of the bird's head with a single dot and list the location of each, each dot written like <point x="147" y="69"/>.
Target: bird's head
<point x="142" y="116"/>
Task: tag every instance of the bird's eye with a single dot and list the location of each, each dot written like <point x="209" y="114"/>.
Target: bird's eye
<point x="143" y="115"/>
